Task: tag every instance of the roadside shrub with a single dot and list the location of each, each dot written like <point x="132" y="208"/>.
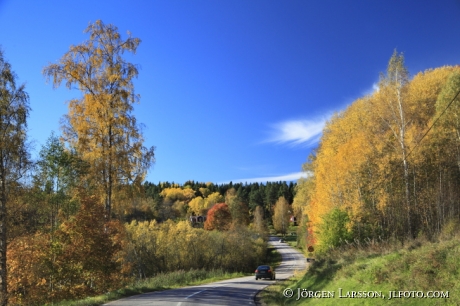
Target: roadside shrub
<point x="334" y="232"/>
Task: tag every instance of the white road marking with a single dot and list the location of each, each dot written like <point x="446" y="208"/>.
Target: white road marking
<point x="195" y="293"/>
<point x="180" y="303"/>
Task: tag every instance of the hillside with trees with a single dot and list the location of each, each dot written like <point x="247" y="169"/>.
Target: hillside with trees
<point x="380" y="208"/>
<point x="387" y="167"/>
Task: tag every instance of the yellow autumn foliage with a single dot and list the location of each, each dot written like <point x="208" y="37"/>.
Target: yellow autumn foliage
<point x="170" y="246"/>
<point x="358" y="166"/>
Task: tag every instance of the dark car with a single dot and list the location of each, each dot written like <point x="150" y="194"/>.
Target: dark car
<point x="265" y="272"/>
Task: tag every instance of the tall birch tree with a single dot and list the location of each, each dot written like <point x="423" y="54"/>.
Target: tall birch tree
<point x="281" y="216"/>
<point x="100" y="125"/>
<point x="393" y="113"/>
<point x="14" y="161"/>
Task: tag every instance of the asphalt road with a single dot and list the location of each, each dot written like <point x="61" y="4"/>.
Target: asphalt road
<point x="237" y="291"/>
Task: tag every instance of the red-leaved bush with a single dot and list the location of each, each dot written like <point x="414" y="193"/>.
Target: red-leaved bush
<point x="219" y="218"/>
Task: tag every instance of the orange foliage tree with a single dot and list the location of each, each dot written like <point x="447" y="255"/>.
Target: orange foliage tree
<point x="219" y="218"/>
<point x="29" y="270"/>
<point x="90" y="253"/>
<point x="86" y="258"/>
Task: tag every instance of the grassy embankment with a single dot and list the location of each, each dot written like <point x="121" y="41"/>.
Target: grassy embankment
<point x="169" y="281"/>
<point x="418" y="265"/>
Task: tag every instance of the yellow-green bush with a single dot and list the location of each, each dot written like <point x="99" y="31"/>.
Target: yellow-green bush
<point x="156" y="248"/>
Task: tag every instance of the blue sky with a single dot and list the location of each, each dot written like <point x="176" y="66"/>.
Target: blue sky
<point x="232" y="90"/>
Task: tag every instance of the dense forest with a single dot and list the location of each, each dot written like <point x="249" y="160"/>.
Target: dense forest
<point x="166" y="200"/>
<point x="80" y="220"/>
<point x="388" y="166"/>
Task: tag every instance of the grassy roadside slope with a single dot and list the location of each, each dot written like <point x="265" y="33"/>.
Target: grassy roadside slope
<point x="420" y="266"/>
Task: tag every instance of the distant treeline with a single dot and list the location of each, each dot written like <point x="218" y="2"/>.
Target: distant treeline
<point x="169" y="200"/>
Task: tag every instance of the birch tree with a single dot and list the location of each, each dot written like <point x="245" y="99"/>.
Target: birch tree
<point x="100" y="124"/>
<point x="281" y="216"/>
<point x="14" y="110"/>
<point x="448" y="107"/>
<point x="393" y="114"/>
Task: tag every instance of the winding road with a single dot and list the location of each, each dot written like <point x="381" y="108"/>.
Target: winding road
<point x="237" y="291"/>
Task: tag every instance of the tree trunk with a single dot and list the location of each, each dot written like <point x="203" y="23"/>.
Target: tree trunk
<point x="3" y="242"/>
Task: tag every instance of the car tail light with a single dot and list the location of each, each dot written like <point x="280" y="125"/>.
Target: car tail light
<point x="257" y="271"/>
<point x="269" y="271"/>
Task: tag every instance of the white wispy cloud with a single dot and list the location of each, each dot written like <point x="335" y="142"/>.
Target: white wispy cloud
<point x="306" y="131"/>
<point x="373" y="89"/>
<point x="297" y="132"/>
<point x="286" y="177"/>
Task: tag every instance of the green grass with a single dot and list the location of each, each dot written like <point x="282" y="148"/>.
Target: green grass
<point x="418" y="266"/>
<point x="290" y="237"/>
<point x="291" y="240"/>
